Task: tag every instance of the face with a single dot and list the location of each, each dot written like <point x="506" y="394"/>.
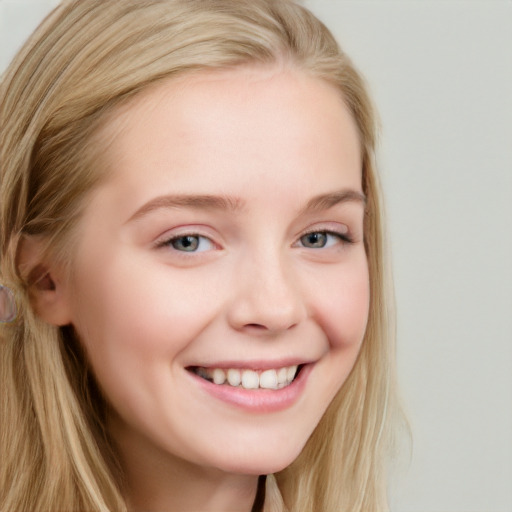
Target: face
<point x="220" y="283"/>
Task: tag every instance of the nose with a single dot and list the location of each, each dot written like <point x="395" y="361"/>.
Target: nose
<point x="267" y="299"/>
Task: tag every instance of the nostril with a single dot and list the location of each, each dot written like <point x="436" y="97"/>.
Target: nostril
<point x="260" y="313"/>
<point x="255" y="328"/>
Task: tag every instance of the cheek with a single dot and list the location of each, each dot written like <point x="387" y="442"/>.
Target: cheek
<point x="134" y="331"/>
<point x="132" y="321"/>
<point x="126" y="298"/>
<point x="342" y="306"/>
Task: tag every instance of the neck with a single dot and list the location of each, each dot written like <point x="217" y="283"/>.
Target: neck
<point x="190" y="494"/>
<point x="156" y="481"/>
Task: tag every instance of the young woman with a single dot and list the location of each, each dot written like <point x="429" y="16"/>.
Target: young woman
<point x="191" y="229"/>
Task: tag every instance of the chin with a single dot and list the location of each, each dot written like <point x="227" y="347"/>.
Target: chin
<point x="261" y="461"/>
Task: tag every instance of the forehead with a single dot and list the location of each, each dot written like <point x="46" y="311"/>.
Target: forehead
<point x="197" y="93"/>
<point x="223" y="122"/>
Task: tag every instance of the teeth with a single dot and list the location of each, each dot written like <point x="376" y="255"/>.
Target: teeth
<point x="234" y="377"/>
<point x="203" y="372"/>
<point x="219" y="376"/>
<point x="249" y="379"/>
<point x="291" y="372"/>
<point x="282" y="375"/>
<point x="268" y="379"/>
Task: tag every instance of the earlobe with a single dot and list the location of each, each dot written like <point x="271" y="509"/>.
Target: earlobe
<point x="45" y="282"/>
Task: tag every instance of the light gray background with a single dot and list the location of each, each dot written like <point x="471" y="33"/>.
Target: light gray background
<point x="441" y="74"/>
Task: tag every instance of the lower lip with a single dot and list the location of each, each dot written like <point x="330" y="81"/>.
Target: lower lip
<point x="258" y="400"/>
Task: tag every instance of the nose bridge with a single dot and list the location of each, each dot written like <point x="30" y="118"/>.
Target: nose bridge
<point x="267" y="295"/>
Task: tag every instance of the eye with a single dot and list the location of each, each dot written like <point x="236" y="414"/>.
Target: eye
<point x="323" y="239"/>
<point x="189" y="243"/>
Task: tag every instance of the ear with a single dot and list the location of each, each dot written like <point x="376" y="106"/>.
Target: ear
<point x="46" y="282"/>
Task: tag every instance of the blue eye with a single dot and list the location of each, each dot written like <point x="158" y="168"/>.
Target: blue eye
<point x="190" y="243"/>
<point x="322" y="239"/>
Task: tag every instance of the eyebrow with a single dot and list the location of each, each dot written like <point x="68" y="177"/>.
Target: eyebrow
<point x="331" y="199"/>
<point x="198" y="202"/>
<point x="235" y="204"/>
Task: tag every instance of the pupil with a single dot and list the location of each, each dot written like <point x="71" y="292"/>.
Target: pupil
<point x="316" y="239"/>
<point x="186" y="243"/>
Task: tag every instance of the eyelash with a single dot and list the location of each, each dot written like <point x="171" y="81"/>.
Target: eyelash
<point x="344" y="238"/>
<point x="168" y="242"/>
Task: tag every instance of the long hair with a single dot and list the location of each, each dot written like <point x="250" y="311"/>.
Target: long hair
<point x="84" y="60"/>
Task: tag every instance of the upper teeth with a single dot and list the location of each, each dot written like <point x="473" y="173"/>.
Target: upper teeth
<point x="249" y="379"/>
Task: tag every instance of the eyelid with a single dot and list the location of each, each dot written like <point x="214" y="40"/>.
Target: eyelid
<point x="341" y="239"/>
<point x="335" y="228"/>
<point x="201" y="241"/>
<point x="330" y="230"/>
<point x="165" y="239"/>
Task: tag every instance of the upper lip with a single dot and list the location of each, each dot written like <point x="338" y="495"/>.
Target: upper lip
<point x="253" y="364"/>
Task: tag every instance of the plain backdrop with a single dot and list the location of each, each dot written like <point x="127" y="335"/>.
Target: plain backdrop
<point x="440" y="72"/>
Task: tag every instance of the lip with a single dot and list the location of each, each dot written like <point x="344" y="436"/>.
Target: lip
<point x="256" y="365"/>
<point x="257" y="400"/>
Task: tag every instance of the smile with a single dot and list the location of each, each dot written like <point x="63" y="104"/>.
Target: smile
<point x="244" y="388"/>
<point x="275" y="378"/>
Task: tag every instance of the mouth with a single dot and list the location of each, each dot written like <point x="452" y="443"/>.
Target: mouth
<point x="273" y="378"/>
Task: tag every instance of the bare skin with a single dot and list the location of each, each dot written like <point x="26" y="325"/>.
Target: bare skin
<point x="152" y="477"/>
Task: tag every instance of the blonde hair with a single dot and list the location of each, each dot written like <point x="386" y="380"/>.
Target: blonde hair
<point x="85" y="59"/>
